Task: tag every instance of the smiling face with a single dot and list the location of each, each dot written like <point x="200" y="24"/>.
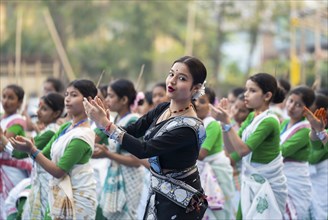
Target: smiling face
<point x="74" y="101"/>
<point x="10" y="101"/>
<point x="179" y="83"/>
<point x="295" y="106"/>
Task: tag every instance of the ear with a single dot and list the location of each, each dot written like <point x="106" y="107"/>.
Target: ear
<point x="124" y="99"/>
<point x="197" y="87"/>
<point x="267" y="96"/>
<point x="57" y="114"/>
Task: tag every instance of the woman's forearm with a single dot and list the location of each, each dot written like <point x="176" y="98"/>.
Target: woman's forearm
<point x="234" y="143"/>
<point x="47" y="164"/>
<point x="127" y="160"/>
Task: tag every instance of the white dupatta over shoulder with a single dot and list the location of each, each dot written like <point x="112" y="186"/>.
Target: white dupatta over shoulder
<point x="123" y="185"/>
<point x="37" y="200"/>
<point x="74" y="195"/>
<point x="216" y="176"/>
<point x="298" y="179"/>
<point x="264" y="189"/>
<point x="12" y="170"/>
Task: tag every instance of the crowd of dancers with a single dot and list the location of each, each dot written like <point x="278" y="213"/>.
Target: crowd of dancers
<point x="175" y="152"/>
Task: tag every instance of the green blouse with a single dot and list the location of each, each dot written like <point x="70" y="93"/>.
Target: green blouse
<point x="214" y="141"/>
<point x="77" y="151"/>
<point x="16" y="129"/>
<point x="297" y="147"/>
<point x="264" y="141"/>
<point x="40" y="142"/>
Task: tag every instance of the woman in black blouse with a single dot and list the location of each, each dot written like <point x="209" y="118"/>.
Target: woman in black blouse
<point x="172" y="136"/>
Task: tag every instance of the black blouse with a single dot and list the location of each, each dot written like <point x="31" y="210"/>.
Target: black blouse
<point x="177" y="149"/>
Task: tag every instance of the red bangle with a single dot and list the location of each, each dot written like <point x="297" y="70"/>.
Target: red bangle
<point x="107" y="128"/>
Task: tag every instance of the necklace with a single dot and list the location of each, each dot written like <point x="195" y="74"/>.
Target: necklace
<point x="180" y="110"/>
<point x="74" y="126"/>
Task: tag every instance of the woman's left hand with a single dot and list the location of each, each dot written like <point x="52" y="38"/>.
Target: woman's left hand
<point x="21" y="143"/>
<point x="317" y="119"/>
<point x="96" y="111"/>
<point x="220" y="112"/>
<point x="100" y="151"/>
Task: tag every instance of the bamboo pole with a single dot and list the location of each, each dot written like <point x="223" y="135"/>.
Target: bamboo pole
<point x="100" y="78"/>
<point x="140" y="76"/>
<point x="190" y="28"/>
<point x="59" y="46"/>
<point x="18" y="49"/>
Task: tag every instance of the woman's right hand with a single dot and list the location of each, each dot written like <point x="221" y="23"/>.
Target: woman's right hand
<point x="21" y="143"/>
<point x="96" y="111"/>
<point x="101" y="151"/>
<point x="220" y="112"/>
<point x="317" y="119"/>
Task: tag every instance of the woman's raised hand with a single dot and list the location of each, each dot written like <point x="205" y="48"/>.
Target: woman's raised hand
<point x="317" y="119"/>
<point x="21" y="143"/>
<point x="220" y="111"/>
<point x="96" y="111"/>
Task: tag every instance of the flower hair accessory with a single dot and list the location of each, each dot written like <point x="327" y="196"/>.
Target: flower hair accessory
<point x="200" y="92"/>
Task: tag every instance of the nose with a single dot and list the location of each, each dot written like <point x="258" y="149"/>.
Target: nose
<point x="173" y="80"/>
<point x="292" y="106"/>
<point x="67" y="99"/>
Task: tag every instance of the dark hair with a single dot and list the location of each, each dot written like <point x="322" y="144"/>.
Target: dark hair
<point x="124" y="87"/>
<point x="55" y="101"/>
<point x="323" y="91"/>
<point x="196" y="68"/>
<point x="210" y="94"/>
<point x="161" y="84"/>
<point x="237" y="91"/>
<point x="103" y="90"/>
<point x="86" y="87"/>
<point x="268" y="83"/>
<point x="57" y="84"/>
<point x="241" y="97"/>
<point x="321" y="101"/>
<point x="284" y="84"/>
<point x="306" y="93"/>
<point x="149" y="97"/>
<point x="19" y="91"/>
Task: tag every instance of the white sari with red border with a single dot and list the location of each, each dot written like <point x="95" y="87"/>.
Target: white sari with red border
<point x="12" y="170"/>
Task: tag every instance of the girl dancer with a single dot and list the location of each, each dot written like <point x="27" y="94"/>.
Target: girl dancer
<point x="72" y="188"/>
<point x="295" y="148"/>
<point x="264" y="190"/>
